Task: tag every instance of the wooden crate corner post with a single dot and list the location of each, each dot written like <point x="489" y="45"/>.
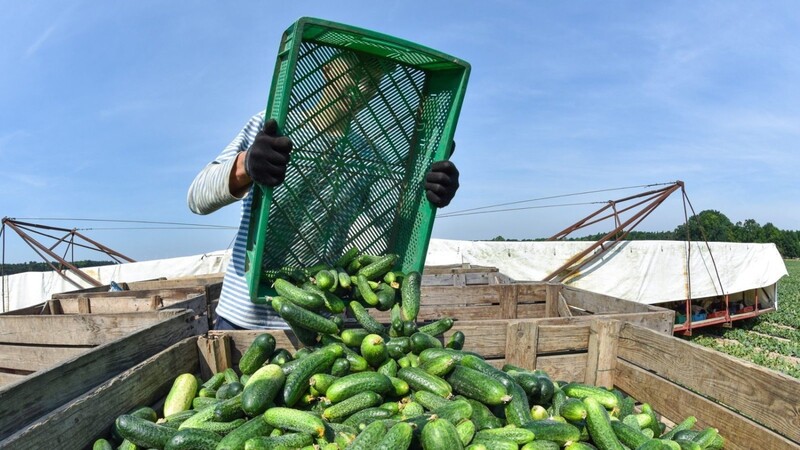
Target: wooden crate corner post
<point x="216" y="354"/>
<point x="602" y="352"/>
<point x="552" y="292"/>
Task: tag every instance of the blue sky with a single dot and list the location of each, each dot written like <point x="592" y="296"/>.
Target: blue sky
<point x="109" y="109"/>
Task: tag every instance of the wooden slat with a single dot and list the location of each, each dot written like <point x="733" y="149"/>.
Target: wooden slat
<point x="78" y="423"/>
<point x="449" y="295"/>
<point x="570" y="367"/>
<point x="171" y="293"/>
<point x="34" y="358"/>
<point x="44" y="391"/>
<point x="27" y="311"/>
<point x="508" y="302"/>
<point x="457" y="268"/>
<point x="530" y="310"/>
<point x="551" y="299"/>
<point x="9" y="378"/>
<point x="488" y="312"/>
<point x="560" y="338"/>
<point x="599" y="303"/>
<point x="241" y="340"/>
<point x="563" y="308"/>
<point x="532" y="292"/>
<point x="487" y="338"/>
<point x="677" y="403"/>
<point x="89" y="329"/>
<point x="602" y="352"/>
<point x="769" y="396"/>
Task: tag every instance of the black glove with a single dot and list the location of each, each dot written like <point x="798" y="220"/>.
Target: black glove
<point x="266" y="160"/>
<point x="441" y="182"/>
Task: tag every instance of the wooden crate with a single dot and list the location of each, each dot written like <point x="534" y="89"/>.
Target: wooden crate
<point x="676" y="377"/>
<point x="199" y="294"/>
<point x="46" y="361"/>
<point x="530" y="301"/>
<point x="462" y="275"/>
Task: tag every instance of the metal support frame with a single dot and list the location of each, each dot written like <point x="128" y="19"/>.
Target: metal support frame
<point x="48" y="254"/>
<point x="651" y="200"/>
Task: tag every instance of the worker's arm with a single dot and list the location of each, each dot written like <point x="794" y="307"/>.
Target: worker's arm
<point x="441" y="182"/>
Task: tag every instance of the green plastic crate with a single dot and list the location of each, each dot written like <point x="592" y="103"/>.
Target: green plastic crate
<point x="368" y="114"/>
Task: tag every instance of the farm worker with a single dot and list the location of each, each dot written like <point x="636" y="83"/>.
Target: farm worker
<point x="260" y="154"/>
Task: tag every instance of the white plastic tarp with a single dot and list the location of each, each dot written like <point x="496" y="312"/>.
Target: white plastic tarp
<point x="641" y="271"/>
<point x="31" y="288"/>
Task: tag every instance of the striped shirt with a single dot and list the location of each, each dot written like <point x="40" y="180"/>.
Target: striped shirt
<point x="209" y="192"/>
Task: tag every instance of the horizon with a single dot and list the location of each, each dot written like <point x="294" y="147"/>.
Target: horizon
<point x="111" y="110"/>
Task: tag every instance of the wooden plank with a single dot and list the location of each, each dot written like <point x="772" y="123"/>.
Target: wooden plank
<point x="557" y="338"/>
<point x="487" y="337"/>
<point x="26" y="311"/>
<point x="457" y="268"/>
<point x="753" y="390"/>
<point x="45" y="391"/>
<point x="570" y="367"/>
<point x="89" y="329"/>
<point x="9" y="378"/>
<point x="551" y="299"/>
<point x="33" y="358"/>
<point x="532" y="292"/>
<point x="84" y="307"/>
<point x="79" y="422"/>
<point x="451" y="295"/>
<point x="476" y="278"/>
<point x="676" y="403"/>
<point x="164" y="292"/>
<point x="240" y="340"/>
<point x="521" y="343"/>
<point x="563" y="308"/>
<point x="508" y="301"/>
<point x="530" y="310"/>
<point x="602" y="352"/>
<point x="599" y="303"/>
<point x="487" y="312"/>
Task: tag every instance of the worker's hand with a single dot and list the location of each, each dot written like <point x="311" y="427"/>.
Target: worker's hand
<point x="441" y="183"/>
<point x="266" y="160"/>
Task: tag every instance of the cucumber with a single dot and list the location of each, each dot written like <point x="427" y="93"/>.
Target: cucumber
<point x="409" y="327"/>
<point x="357" y="362"/>
<point x="220" y="428"/>
<point x="413" y="409"/>
<point x="429" y="400"/>
<point x="599" y="425"/>
<point x="373" y="349"/>
<point x="439" y="366"/>
<point x="350" y="385"/>
<point x="520" y="436"/>
<point x="573" y="410"/>
<point x="580" y="446"/>
<point x="181" y="394"/>
<point x="199" y="403"/>
<point x="142" y="432"/>
<point x="296" y="382"/>
<point x="466" y="431"/>
<point x="353" y="337"/>
<point x="397" y="347"/>
<point x="541" y="445"/>
<point x="283" y="441"/>
<point x="228" y="410"/>
<point x="193" y="439"/>
<point x="653" y="423"/>
<point x="261" y="389"/>
<point x="229" y="390"/>
<point x="365" y="319"/>
<point x="175" y="420"/>
<point x="370" y="437"/>
<point x="418" y="379"/>
<point x="230" y="375"/>
<point x="102" y="444"/>
<point x="378" y="268"/>
<point x="351" y="405"/>
<point x="421" y="341"/>
<point x="295" y="420"/>
<point x="347" y="257"/>
<point x="439" y="434"/>
<point x="483" y="417"/>
<point x="627" y="435"/>
<point x="296" y="315"/>
<point x="344" y="279"/>
<point x="388" y="368"/>
<point x="582" y="391"/>
<point x="518" y="410"/>
<point x="438" y="327"/>
<point x="145" y="412"/>
<point x="386" y="297"/>
<point x="280" y="357"/>
<point x="334" y="304"/>
<point x="456" y="340"/>
<point x="236" y="439"/>
<point x="399" y="387"/>
<point x="396" y="320"/>
<point x="394" y="407"/>
<point x="367" y="416"/>
<point x="686" y="424"/>
<point x="369" y="296"/>
<point x="297" y="295"/>
<point x="454" y="411"/>
<point x="215" y="381"/>
<point x="324" y="279"/>
<point x="341" y="367"/>
<point x="410" y="296"/>
<point x="552" y="430"/>
<point x="257" y="354"/>
<point x="431" y="353"/>
<point x="538" y="412"/>
<point x="398" y="437"/>
<point x="478" y="386"/>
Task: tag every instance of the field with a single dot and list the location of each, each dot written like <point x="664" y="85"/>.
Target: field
<point x="771" y="340"/>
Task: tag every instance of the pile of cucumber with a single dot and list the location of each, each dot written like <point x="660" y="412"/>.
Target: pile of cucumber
<point x="386" y="387"/>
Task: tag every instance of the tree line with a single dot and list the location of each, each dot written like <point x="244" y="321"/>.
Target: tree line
<point x="33" y="266"/>
<point x="713" y="226"/>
